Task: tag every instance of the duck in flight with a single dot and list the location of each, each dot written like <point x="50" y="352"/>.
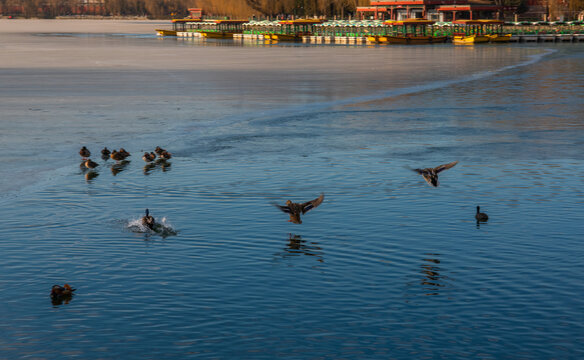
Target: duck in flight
<point x="296" y="209"/>
<point x="431" y="174"/>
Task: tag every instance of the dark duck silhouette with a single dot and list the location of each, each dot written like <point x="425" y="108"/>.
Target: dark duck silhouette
<point x="105" y="153"/>
<point x="148" y="220"/>
<point x="165" y="155"/>
<point x="159" y="150"/>
<point x="148" y="157"/>
<point x="431" y="174"/>
<point x="90" y="164"/>
<point x="124" y="152"/>
<point x="61" y="292"/>
<point x="296" y="209"/>
<point x="481" y="216"/>
<point x="117" y="156"/>
<point x="84" y="152"/>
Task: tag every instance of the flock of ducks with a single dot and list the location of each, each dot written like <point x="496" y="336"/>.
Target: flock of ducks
<point x="157" y="157"/>
<point x="121" y="155"/>
<point x="294" y="210"/>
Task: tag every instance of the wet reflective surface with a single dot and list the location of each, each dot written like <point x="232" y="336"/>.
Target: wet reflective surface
<point x="385" y="267"/>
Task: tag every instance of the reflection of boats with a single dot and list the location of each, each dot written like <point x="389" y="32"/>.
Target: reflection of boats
<point x="478" y="32"/>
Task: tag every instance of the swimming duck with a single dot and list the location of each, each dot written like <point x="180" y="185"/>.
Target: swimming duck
<point x="148" y="157"/>
<point x="295" y="209"/>
<point x="159" y="150"/>
<point x="90" y="164"/>
<point x="61" y="292"/>
<point x="165" y="155"/>
<point x="84" y="152"/>
<point x="124" y="152"/>
<point x="431" y="174"/>
<point x="116" y="155"/>
<point x="105" y="153"/>
<point x="481" y="216"/>
<point x="148" y="220"/>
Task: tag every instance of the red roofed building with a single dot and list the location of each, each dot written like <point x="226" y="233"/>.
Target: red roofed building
<point x="438" y="10"/>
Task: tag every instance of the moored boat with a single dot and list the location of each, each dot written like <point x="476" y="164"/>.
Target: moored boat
<point x="498" y="38"/>
<point x="412" y="32"/>
<point x="294" y="30"/>
<point x="165" y="32"/>
<point x="223" y="29"/>
<point x="468" y="32"/>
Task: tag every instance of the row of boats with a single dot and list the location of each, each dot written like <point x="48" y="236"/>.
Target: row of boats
<point x="409" y="31"/>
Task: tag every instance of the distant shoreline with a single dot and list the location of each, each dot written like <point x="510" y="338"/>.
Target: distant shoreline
<point x="81" y="25"/>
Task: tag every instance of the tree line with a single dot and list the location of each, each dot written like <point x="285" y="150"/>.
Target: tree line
<point x="165" y="9"/>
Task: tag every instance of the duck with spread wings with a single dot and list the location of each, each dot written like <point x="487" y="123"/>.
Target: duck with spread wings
<point x="296" y="209"/>
<point x="431" y="174"/>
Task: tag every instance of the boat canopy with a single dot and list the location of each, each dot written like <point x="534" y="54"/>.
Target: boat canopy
<point x="411" y="22"/>
<point x="231" y="21"/>
<point x="478" y="22"/>
<point x="186" y="20"/>
<point x="301" y="22"/>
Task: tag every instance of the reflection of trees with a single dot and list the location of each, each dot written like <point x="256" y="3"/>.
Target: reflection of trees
<point x="296" y="246"/>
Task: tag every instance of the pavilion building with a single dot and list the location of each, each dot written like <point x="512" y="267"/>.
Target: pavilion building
<point x="437" y="10"/>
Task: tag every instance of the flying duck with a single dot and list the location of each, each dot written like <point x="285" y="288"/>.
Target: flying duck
<point x="431" y="174"/>
<point x="295" y="209"/>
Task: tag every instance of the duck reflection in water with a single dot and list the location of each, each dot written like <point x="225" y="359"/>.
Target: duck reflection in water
<point x="119" y="167"/>
<point x="89" y="176"/>
<point x="431" y="271"/>
<point x="297" y="247"/>
<point x="160" y="163"/>
<point x="433" y="280"/>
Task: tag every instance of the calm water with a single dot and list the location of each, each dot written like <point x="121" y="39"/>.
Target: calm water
<point x="386" y="267"/>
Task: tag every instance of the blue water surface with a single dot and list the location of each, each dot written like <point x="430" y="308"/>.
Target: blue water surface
<point x="387" y="267"/>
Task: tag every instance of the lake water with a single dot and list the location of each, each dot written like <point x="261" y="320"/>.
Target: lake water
<point x="387" y="267"/>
